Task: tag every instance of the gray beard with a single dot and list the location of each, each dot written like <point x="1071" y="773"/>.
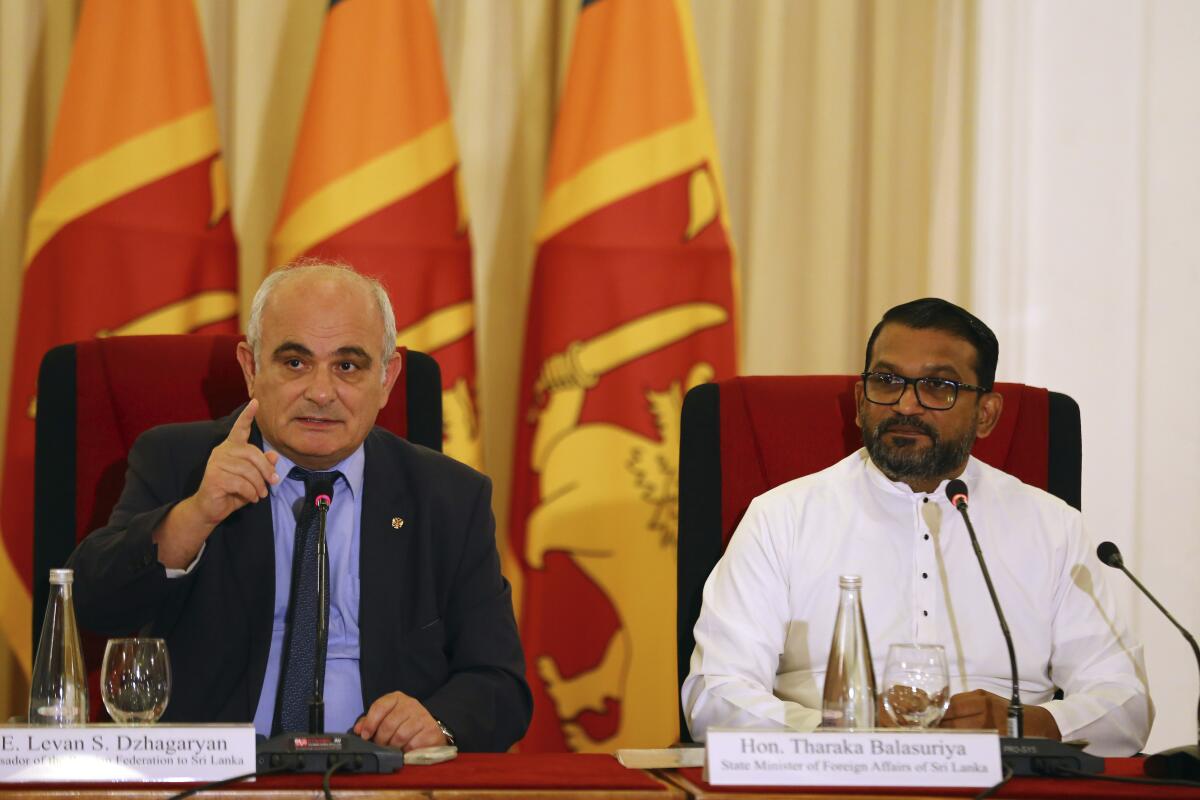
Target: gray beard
<point x="905" y="463"/>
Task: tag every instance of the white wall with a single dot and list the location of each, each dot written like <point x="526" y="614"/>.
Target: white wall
<point x="1087" y="258"/>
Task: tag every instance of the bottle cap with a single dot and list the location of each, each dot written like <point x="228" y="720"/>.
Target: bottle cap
<point x="850" y="581"/>
<point x="58" y="577"/>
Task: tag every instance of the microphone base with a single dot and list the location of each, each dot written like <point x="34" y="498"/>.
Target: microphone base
<point x="1181" y="763"/>
<point x="1033" y="757"/>
<point x="315" y="752"/>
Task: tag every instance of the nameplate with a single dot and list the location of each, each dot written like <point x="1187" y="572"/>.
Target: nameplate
<point x="857" y="758"/>
<point x="145" y="753"/>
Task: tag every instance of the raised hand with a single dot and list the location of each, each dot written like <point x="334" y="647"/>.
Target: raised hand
<point x="237" y="473"/>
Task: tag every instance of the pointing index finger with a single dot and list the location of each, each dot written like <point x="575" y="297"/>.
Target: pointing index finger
<point x="241" y="426"/>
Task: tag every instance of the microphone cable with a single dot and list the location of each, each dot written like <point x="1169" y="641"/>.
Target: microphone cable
<point x="333" y="767"/>
<point x="207" y="787"/>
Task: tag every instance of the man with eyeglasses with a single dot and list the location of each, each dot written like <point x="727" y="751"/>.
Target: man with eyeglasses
<point x="925" y="395"/>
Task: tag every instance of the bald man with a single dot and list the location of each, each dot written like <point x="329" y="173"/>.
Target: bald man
<point x="423" y="647"/>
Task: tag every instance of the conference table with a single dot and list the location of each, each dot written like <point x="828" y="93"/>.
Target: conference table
<point x="577" y="777"/>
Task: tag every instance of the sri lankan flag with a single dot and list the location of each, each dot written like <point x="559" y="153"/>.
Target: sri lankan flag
<point x="374" y="182"/>
<point x="632" y="304"/>
<point x="130" y="233"/>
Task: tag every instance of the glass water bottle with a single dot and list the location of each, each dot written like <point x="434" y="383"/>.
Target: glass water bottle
<point x="58" y="693"/>
<point x="849" y="698"/>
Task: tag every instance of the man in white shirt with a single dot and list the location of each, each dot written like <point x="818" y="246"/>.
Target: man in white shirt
<point x="763" y="635"/>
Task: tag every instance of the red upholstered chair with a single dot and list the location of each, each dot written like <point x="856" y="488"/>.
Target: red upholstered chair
<point x="743" y="436"/>
<point x="96" y="396"/>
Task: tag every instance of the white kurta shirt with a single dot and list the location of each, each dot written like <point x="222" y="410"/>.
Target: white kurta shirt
<point x="763" y="636"/>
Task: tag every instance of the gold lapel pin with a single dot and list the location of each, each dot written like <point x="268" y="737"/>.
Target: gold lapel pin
<point x="397" y="522"/>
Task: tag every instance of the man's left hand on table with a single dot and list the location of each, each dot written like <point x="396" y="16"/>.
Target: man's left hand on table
<point x="398" y="720"/>
<point x="983" y="710"/>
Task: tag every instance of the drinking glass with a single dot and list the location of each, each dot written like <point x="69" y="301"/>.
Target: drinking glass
<point x="135" y="681"/>
<point x="916" y="684"/>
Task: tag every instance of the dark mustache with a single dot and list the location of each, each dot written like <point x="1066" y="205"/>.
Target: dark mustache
<point x="906" y="422"/>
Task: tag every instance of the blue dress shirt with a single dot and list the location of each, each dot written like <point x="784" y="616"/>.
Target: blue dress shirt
<point x="343" y="683"/>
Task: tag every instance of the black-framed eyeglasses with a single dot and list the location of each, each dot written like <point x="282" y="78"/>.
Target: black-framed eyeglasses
<point x="936" y="394"/>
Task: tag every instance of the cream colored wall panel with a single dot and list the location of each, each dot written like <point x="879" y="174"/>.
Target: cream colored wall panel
<point x="1167" y="548"/>
<point x="1088" y="264"/>
<point x="272" y="52"/>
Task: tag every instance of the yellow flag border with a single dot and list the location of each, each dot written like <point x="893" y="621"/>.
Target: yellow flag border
<point x="625" y="171"/>
<point x="650" y="160"/>
<point x="18" y="609"/>
<point x="439" y="328"/>
<point x="186" y="314"/>
<point x="365" y="190"/>
<point x="700" y="103"/>
<point x="134" y="163"/>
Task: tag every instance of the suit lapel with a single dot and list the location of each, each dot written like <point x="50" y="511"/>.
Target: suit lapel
<point x="384" y="549"/>
<point x="249" y="538"/>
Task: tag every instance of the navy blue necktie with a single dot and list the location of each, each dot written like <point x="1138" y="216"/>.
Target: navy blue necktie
<point x="299" y="666"/>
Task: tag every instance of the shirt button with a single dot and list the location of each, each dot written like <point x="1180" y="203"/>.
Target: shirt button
<point x="925" y="613"/>
<point x="924" y="574"/>
<point x="927" y="536"/>
<point x="925" y="500"/>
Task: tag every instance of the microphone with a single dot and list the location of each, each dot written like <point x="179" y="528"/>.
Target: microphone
<point x="1025" y="757"/>
<point x="317" y="751"/>
<point x="1178" y="762"/>
<point x="316" y="706"/>
<point x="956" y="490"/>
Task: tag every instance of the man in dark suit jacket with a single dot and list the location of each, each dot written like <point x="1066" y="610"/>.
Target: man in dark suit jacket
<point x="192" y="555"/>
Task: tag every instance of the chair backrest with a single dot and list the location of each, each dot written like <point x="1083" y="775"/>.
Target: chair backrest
<point x="744" y="436"/>
<point x="95" y="397"/>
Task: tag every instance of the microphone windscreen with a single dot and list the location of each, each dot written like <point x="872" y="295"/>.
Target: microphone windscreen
<point x="1108" y="553"/>
<point x="322" y="488"/>
<point x="956" y="489"/>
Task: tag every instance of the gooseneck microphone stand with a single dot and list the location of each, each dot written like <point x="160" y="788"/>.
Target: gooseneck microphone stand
<point x="1178" y="762"/>
<point x="1024" y="756"/>
<point x="318" y="751"/>
<point x="956" y="490"/>
<point x="316" y="706"/>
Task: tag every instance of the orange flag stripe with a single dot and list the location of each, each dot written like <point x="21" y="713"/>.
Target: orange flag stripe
<point x="374" y="181"/>
<point x="591" y="169"/>
<point x="632" y="301"/>
<point x="157" y="85"/>
<point x="607" y="102"/>
<point x="135" y="140"/>
<point x="360" y="65"/>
